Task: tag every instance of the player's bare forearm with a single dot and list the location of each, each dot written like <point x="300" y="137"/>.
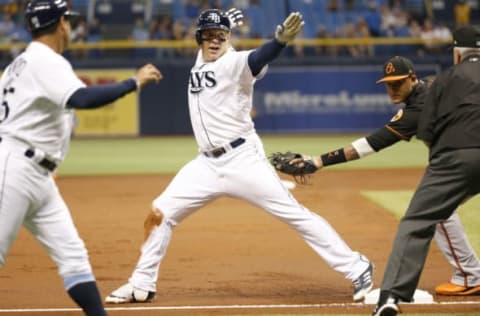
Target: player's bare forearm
<point x="350" y="153"/>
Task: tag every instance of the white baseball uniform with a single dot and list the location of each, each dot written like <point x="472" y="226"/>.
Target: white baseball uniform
<point x="35" y="128"/>
<point x="232" y="162"/>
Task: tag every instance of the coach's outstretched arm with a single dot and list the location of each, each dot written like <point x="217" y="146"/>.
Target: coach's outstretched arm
<point x="100" y="95"/>
<point x="284" y="34"/>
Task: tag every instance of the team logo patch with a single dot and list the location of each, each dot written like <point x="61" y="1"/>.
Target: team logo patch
<point x="389" y="68"/>
<point x="214" y="17"/>
<point x="397" y="116"/>
<point x="35" y="22"/>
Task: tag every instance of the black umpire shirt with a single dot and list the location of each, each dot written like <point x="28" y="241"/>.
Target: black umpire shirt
<point x="451" y="116"/>
<point x="404" y="124"/>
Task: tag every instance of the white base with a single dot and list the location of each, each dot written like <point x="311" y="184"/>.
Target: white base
<point x="289" y="184"/>
<point x="420" y="297"/>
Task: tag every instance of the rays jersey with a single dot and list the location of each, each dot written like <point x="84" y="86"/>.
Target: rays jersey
<point x="35" y="89"/>
<point x="220" y="99"/>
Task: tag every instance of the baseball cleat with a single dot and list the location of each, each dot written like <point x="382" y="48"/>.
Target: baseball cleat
<point x="390" y="308"/>
<point x="363" y="284"/>
<point x="127" y="293"/>
<point x="450" y="288"/>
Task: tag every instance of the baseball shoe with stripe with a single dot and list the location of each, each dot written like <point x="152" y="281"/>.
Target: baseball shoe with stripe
<point x="363" y="284"/>
<point x="127" y="293"/>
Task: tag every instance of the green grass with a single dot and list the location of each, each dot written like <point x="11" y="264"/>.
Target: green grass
<point x="169" y="154"/>
<point x="396" y="202"/>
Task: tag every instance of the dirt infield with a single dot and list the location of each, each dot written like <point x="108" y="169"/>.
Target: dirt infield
<point x="228" y="253"/>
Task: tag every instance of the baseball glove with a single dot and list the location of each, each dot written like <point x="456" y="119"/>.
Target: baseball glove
<point x="301" y="166"/>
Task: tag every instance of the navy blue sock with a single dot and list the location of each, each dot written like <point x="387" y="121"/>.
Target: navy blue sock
<point x="87" y="296"/>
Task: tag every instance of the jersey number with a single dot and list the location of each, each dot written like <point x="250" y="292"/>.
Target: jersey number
<point x="5" y="110"/>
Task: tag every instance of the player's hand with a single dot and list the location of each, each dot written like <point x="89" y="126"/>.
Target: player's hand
<point x="292" y="25"/>
<point x="301" y="161"/>
<point x="146" y="74"/>
<point x="235" y="16"/>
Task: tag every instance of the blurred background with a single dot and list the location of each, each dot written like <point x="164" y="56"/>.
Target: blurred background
<point x="323" y="83"/>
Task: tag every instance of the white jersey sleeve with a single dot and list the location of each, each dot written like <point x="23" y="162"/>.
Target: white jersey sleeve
<point x="58" y="85"/>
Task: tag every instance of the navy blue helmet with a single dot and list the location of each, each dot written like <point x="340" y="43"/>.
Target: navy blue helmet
<point x="211" y="19"/>
<point x="41" y="14"/>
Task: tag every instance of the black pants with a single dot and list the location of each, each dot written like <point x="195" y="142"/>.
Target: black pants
<point x="449" y="178"/>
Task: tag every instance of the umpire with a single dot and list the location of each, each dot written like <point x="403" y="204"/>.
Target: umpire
<point x="449" y="124"/>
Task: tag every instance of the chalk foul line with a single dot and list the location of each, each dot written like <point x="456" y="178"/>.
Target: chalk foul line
<point x="213" y="307"/>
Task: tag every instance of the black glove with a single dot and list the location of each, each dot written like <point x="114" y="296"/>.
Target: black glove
<point x="299" y="168"/>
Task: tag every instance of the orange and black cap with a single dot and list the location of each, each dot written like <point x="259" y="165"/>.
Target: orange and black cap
<point x="397" y="68"/>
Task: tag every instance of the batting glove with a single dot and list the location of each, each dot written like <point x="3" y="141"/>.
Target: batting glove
<point x="235" y="16"/>
<point x="292" y="25"/>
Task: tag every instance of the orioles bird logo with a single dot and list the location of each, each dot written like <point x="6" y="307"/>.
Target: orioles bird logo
<point x="397" y="116"/>
<point x="389" y="68"/>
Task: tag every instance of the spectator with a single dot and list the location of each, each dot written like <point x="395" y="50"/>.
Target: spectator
<point x="428" y="35"/>
<point x="434" y="37"/>
<point x="79" y="31"/>
<point x="359" y="30"/>
<point x="94" y="31"/>
<point x="243" y="31"/>
<point x="179" y="34"/>
<point x="94" y="35"/>
<point x="415" y="31"/>
<point x="79" y="34"/>
<point x="161" y="29"/>
<point x="192" y="9"/>
<point x="6" y="25"/>
<point x="373" y="18"/>
<point x="363" y="31"/>
<point x="323" y="50"/>
<point x="140" y="32"/>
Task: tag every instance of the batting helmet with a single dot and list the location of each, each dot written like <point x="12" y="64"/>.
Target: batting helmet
<point x="211" y="19"/>
<point x="41" y="14"/>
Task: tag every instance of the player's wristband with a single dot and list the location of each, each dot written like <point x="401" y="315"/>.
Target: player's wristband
<point x="333" y="157"/>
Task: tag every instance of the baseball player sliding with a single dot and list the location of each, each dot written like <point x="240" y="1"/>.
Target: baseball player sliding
<point x="39" y="91"/>
<point x="232" y="161"/>
<point x="404" y="87"/>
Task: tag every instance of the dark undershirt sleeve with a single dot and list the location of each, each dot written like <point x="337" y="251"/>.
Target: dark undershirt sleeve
<point x="261" y="56"/>
<point x="100" y="95"/>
